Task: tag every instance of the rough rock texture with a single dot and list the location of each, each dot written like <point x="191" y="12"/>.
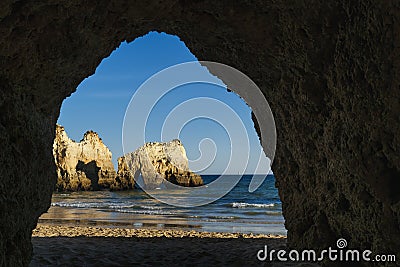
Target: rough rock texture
<point x="329" y="70"/>
<point x="156" y="162"/>
<point x="125" y="179"/>
<point x="86" y="165"/>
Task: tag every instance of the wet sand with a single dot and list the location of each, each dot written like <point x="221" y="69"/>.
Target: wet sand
<point x="55" y="245"/>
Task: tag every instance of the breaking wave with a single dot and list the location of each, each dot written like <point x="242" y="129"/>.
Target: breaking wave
<point x="241" y="205"/>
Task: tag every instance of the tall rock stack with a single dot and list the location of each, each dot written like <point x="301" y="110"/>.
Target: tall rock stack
<point x="157" y="162"/>
<point x="125" y="180"/>
<point x="85" y="165"/>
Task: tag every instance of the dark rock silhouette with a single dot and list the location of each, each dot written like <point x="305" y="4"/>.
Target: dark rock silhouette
<point x="329" y="70"/>
<point x="91" y="171"/>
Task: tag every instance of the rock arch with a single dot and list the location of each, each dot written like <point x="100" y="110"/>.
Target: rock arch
<point x="329" y="70"/>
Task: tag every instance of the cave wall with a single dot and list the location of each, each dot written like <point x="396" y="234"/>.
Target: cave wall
<point x="328" y="69"/>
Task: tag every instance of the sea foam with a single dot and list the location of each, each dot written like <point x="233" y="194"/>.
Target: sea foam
<point x="250" y="205"/>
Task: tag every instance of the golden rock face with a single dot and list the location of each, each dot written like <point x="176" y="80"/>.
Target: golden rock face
<point x="87" y="165"/>
<point x="84" y="165"/>
<point x="156" y="162"/>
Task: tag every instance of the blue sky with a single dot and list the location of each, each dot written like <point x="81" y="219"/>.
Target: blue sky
<point x="101" y="100"/>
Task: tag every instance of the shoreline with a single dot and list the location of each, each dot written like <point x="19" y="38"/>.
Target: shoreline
<point x="52" y="230"/>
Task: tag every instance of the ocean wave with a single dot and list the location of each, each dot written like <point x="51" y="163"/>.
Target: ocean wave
<point x="224" y="217"/>
<point x="240" y="205"/>
<point x="150" y="207"/>
<point x="146" y="212"/>
<point x="78" y="204"/>
<point x="103" y="205"/>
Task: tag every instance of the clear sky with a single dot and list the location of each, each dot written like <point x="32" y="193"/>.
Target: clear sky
<point x="100" y="102"/>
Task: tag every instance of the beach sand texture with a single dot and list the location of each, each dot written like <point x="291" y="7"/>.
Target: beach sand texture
<point x="55" y="245"/>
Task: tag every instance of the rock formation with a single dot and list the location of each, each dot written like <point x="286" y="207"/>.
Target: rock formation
<point x="329" y="70"/>
<point x="156" y="162"/>
<point x="124" y="179"/>
<point x="85" y="165"/>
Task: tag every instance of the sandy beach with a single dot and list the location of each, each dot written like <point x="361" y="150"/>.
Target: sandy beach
<point x="57" y="245"/>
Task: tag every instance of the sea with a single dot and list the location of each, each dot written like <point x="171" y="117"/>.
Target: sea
<point x="239" y="211"/>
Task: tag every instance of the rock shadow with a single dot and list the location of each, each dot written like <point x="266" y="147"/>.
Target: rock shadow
<point x="91" y="171"/>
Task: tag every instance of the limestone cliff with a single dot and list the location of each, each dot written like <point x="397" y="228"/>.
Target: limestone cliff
<point x="85" y="165"/>
<point x="157" y="162"/>
<point x="124" y="179"/>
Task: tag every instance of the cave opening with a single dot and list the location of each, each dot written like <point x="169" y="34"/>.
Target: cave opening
<point x="335" y="99"/>
<point x="99" y="108"/>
